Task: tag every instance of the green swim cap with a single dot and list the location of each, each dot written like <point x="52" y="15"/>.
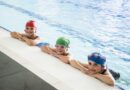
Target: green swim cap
<point x="63" y="41"/>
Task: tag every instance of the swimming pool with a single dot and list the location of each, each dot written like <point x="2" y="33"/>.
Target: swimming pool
<point x="91" y="25"/>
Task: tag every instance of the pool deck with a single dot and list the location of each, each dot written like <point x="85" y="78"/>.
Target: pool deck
<point x="44" y="67"/>
<point x="13" y="76"/>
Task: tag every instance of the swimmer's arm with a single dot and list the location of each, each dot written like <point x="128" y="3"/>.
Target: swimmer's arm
<point x="22" y="37"/>
<point x="83" y="64"/>
<point x="14" y="34"/>
<point x="84" y="68"/>
<point x="30" y="42"/>
<point x="63" y="58"/>
<point x="35" y="41"/>
<point x="52" y="52"/>
<point x="17" y="35"/>
<point x="77" y="65"/>
<point x="47" y="49"/>
<point x="107" y="78"/>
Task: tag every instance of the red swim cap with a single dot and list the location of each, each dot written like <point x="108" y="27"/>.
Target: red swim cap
<point x="30" y="23"/>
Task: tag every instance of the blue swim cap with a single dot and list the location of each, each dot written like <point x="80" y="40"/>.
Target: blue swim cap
<point x="97" y="58"/>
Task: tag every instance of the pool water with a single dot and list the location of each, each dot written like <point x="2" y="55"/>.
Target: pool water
<point x="91" y="25"/>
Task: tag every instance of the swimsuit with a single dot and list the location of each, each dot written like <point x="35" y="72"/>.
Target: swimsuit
<point x="42" y="44"/>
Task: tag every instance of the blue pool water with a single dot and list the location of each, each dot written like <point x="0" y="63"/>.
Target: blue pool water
<point x="91" y="25"/>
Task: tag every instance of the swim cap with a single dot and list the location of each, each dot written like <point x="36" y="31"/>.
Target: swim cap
<point x="63" y="41"/>
<point x="30" y="23"/>
<point x="97" y="58"/>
